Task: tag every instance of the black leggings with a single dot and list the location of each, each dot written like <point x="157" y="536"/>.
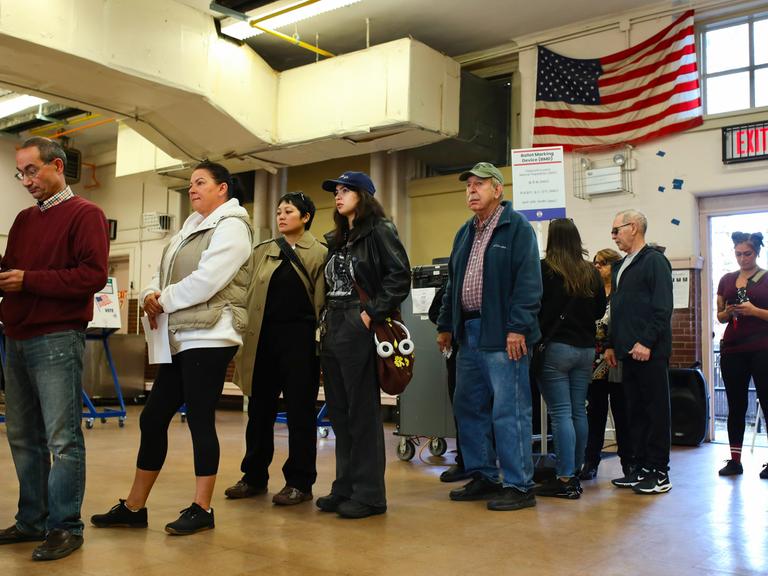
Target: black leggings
<point x="195" y="378"/>
<point x="737" y="368"/>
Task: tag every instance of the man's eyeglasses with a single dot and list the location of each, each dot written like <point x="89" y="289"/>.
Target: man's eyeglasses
<point x="29" y="173"/>
<point x="615" y="229"/>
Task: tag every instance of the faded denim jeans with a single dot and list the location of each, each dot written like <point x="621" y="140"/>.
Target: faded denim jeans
<point x="493" y="398"/>
<point x="43" y="394"/>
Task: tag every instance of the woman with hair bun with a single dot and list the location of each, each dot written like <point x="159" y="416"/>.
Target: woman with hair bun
<point x="201" y="284"/>
<point x="742" y="303"/>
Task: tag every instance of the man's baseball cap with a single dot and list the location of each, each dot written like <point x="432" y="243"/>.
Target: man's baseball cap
<point x="483" y="170"/>
<point x="359" y="180"/>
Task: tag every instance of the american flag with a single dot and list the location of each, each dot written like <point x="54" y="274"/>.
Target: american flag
<point x="644" y="92"/>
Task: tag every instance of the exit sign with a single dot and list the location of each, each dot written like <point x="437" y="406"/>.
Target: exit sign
<point x="745" y="142"/>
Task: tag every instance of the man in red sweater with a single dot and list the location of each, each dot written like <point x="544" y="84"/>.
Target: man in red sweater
<point x="55" y="261"/>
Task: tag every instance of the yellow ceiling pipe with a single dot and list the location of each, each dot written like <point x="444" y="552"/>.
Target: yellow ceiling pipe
<point x="80" y="128"/>
<point x="283" y="11"/>
<point x="46" y="127"/>
<point x="293" y="40"/>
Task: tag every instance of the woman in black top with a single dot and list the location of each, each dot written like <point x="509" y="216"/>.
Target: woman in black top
<point x="364" y="256"/>
<point x="279" y="353"/>
<point x="573" y="300"/>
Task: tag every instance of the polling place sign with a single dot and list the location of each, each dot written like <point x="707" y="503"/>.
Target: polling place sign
<point x="745" y="142"/>
<point x="538" y="182"/>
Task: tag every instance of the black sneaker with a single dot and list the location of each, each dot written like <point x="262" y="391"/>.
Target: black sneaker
<point x="731" y="468"/>
<point x="556" y="488"/>
<point x="330" y="503"/>
<point x="120" y="516"/>
<point x="355" y="509"/>
<point x="655" y="482"/>
<point x="629" y="480"/>
<point x="764" y="472"/>
<point x="588" y="471"/>
<point x="510" y="498"/>
<point x="192" y="519"/>
<point x="476" y="489"/>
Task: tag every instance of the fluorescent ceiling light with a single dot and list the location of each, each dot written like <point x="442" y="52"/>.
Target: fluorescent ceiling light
<point x="13" y="103"/>
<point x="243" y="30"/>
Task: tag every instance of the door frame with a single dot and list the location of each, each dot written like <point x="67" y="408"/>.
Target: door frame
<point x="710" y="206"/>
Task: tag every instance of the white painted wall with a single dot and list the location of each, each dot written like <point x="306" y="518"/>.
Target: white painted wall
<point x="692" y="156"/>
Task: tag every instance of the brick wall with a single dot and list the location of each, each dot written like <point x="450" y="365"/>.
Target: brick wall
<point x="686" y="326"/>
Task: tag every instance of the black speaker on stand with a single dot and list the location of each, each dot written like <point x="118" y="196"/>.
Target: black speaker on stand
<point x="689" y="401"/>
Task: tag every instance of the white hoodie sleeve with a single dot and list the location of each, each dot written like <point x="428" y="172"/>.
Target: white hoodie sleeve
<point x="229" y="248"/>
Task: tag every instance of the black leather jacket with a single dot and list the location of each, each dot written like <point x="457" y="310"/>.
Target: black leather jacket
<point x="380" y="264"/>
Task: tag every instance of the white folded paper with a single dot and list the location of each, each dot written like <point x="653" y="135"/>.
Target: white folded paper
<point x="158" y="344"/>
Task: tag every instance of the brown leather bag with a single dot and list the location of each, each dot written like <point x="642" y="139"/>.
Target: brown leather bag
<point x="394" y="351"/>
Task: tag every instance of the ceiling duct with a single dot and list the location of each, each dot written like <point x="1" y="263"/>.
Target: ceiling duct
<point x="484" y="127"/>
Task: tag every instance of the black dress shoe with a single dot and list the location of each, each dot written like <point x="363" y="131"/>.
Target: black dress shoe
<point x="330" y="503"/>
<point x="478" y="489"/>
<point x="58" y="544"/>
<point x="13" y="535"/>
<point x="355" y="509"/>
<point x="455" y="473"/>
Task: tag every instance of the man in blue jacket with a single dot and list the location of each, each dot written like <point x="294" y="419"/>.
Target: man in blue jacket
<point x="640" y="335"/>
<point x="490" y="306"/>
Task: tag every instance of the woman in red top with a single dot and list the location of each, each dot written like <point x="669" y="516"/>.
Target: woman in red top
<point x="742" y="303"/>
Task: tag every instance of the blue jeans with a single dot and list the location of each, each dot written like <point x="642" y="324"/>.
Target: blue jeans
<point x="493" y="398"/>
<point x="564" y="382"/>
<point x="43" y="395"/>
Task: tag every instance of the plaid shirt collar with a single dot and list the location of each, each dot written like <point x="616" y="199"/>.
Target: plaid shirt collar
<point x="56" y="199"/>
<point x="482" y="225"/>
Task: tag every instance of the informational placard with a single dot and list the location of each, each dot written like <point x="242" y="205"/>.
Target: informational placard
<point x="422" y="300"/>
<point x="538" y="182"/>
<point x="681" y="280"/>
<point x="106" y="307"/>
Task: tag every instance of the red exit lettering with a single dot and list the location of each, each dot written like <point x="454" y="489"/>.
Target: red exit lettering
<point x="752" y="141"/>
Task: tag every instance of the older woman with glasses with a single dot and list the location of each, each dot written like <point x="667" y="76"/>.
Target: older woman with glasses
<point x="742" y="303"/>
<point x="605" y="387"/>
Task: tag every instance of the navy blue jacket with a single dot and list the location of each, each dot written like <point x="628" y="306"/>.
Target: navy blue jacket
<point x="511" y="282"/>
<point x="641" y="306"/>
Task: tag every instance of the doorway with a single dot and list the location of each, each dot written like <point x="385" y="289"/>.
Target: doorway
<point x="721" y="260"/>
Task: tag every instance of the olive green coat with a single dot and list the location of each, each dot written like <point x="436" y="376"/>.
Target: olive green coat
<point x="264" y="261"/>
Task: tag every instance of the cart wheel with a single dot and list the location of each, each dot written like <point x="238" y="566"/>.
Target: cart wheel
<point x="438" y="446"/>
<point x="406" y="450"/>
<point x="89" y="423"/>
<point x="121" y="421"/>
<point x="103" y="420"/>
<point x="322" y="431"/>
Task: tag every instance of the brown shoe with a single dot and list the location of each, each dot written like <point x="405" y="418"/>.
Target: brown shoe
<point x="244" y="490"/>
<point x="289" y="496"/>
